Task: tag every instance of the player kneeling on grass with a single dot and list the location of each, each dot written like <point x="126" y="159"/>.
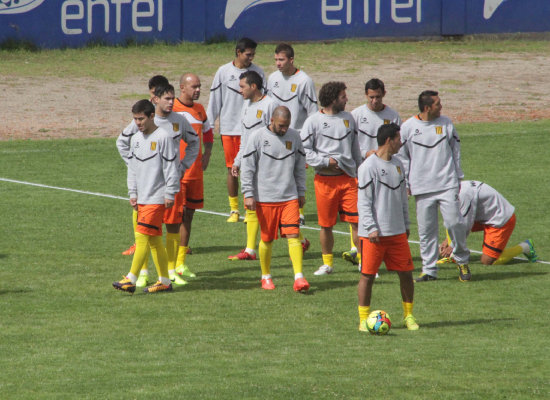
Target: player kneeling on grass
<point x="485" y="209"/>
<point x="273" y="181"/>
<point x="384" y="224"/>
<point x="153" y="181"/>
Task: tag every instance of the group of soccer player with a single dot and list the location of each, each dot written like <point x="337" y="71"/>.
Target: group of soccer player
<point x="366" y="166"/>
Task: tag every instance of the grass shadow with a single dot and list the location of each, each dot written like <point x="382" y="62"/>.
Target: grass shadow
<point x="502" y="275"/>
<point x="439" y="324"/>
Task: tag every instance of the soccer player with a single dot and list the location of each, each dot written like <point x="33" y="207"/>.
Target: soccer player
<point x="123" y="145"/>
<point x="368" y="118"/>
<point x="181" y="131"/>
<point x="192" y="187"/>
<point x="256" y="113"/>
<point x="273" y="181"/>
<point x="226" y="103"/>
<point x="331" y="145"/>
<point x="384" y="224"/>
<point x="293" y="88"/>
<point x="153" y="181"/>
<point x="431" y="157"/>
<point x="485" y="209"/>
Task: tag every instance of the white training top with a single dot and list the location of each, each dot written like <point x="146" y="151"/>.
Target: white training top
<point x="253" y="116"/>
<point x="296" y="92"/>
<point x="273" y="167"/>
<point x="153" y="173"/>
<point x="368" y="122"/>
<point x="382" y="197"/>
<point x="325" y="136"/>
<point x="480" y="203"/>
<point x="226" y="100"/>
<point x="430" y="155"/>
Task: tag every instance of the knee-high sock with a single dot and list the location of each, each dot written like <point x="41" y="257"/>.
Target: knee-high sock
<point x="141" y="253"/>
<point x="296" y="254"/>
<point x="172" y="243"/>
<point x="233" y="203"/>
<point x="159" y="256"/>
<point x="265" y="257"/>
<point x="134" y="219"/>
<point x="252" y="227"/>
<point x="182" y="253"/>
<point x="352" y="246"/>
<point x="508" y="254"/>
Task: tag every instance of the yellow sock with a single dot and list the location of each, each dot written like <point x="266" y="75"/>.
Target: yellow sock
<point x="407" y="309"/>
<point x="296" y="254"/>
<point x="134" y="219"/>
<point x="508" y="254"/>
<point x="159" y="256"/>
<point x="141" y="253"/>
<point x="327" y="259"/>
<point x="146" y="260"/>
<point x="301" y="211"/>
<point x="252" y="227"/>
<point x="301" y="236"/>
<point x="172" y="243"/>
<point x="449" y="241"/>
<point x="182" y="253"/>
<point x="364" y="312"/>
<point x="352" y="245"/>
<point x="234" y="203"/>
<point x="265" y="257"/>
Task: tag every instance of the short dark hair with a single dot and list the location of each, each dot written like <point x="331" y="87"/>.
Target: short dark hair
<point x="385" y="132"/>
<point x="285" y="48"/>
<point x="157" y="80"/>
<point x="162" y="89"/>
<point x="329" y="92"/>
<point x="245" y="43"/>
<point x="143" y="106"/>
<point x="252" y="77"/>
<point x="425" y="99"/>
<point x="375" y="84"/>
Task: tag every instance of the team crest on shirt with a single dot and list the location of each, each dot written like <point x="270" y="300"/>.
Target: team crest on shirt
<point x="399" y="170"/>
<point x="346" y="122"/>
<point x="176" y="126"/>
<point x="288" y="145"/>
<point x="153" y="146"/>
<point x="386" y="121"/>
<point x="439" y="130"/>
<point x="259" y="114"/>
<point x="293" y="88"/>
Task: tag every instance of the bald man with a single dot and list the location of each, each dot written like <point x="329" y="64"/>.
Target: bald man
<point x="192" y="185"/>
<point x="274" y="157"/>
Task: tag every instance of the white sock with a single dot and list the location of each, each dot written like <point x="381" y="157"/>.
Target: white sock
<point x="266" y="276"/>
<point x="171" y="272"/>
<point x="298" y="275"/>
<point x="144" y="272"/>
<point x="132" y="277"/>
<point x="250" y="251"/>
<point x="524" y="247"/>
<point x="165" y="281"/>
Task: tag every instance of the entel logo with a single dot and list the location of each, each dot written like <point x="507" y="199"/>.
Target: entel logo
<point x="18" y="6"/>
<point x="234" y="8"/>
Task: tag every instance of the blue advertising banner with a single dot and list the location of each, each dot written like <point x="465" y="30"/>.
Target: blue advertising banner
<point x="72" y="23"/>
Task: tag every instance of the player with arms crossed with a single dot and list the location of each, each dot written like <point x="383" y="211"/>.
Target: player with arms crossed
<point x="431" y="157"/>
<point x="153" y="181"/>
<point x="330" y="142"/>
<point x="294" y="89"/>
<point x="192" y="183"/>
<point x="384" y="224"/>
<point x="256" y="113"/>
<point x="485" y="209"/>
<point x="226" y="103"/>
<point x="273" y="181"/>
<point x="368" y="118"/>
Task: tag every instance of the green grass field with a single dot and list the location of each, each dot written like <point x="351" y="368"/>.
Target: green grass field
<point x="66" y="334"/>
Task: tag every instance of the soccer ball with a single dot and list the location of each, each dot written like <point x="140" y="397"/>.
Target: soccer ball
<point x="378" y="322"/>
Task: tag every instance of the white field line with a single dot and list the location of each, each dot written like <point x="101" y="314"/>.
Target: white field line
<point x="110" y="196"/>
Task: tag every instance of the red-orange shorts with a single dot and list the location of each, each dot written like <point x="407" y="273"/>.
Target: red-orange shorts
<point x="231" y="146"/>
<point x="193" y="193"/>
<point x="495" y="239"/>
<point x="149" y="219"/>
<point x="174" y="214"/>
<point x="393" y="250"/>
<point x="275" y="217"/>
<point x="336" y="195"/>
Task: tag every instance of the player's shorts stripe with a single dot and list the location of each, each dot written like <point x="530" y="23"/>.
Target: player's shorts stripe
<point x="492" y="248"/>
<point x="289" y="225"/>
<point x="194" y="200"/>
<point x="148" y="226"/>
<point x="350" y="214"/>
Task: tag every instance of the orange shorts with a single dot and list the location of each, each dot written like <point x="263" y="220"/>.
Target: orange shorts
<point x="275" y="217"/>
<point x="193" y="193"/>
<point x="336" y="195"/>
<point x="393" y="250"/>
<point x="231" y="146"/>
<point x="174" y="214"/>
<point x="149" y="219"/>
<point x="495" y="239"/>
